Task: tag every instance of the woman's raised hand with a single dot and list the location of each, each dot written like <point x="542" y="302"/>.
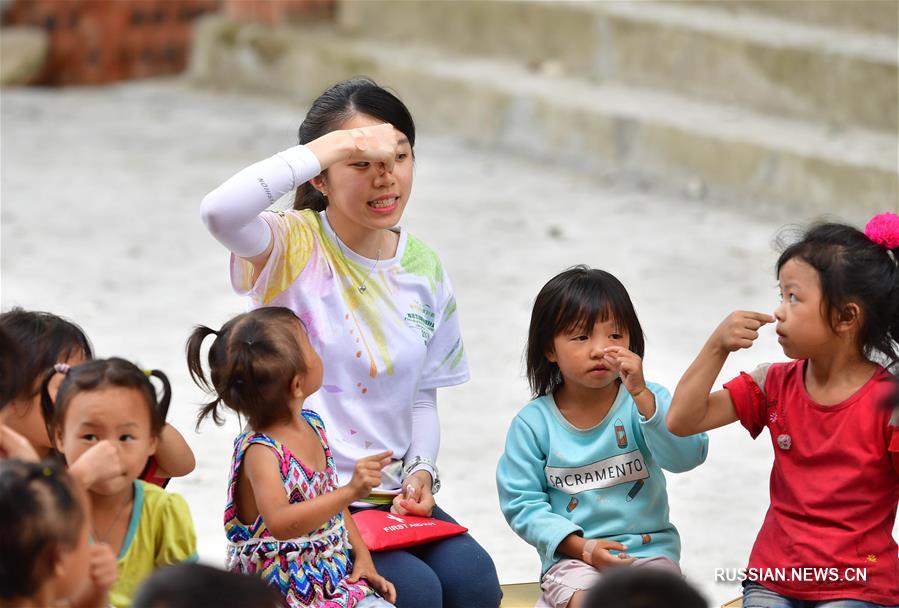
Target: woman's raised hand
<point x="374" y="144"/>
<point x="367" y="474"/>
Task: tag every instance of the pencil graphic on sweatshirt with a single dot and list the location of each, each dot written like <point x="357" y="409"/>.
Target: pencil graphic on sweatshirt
<point x="634" y="490"/>
<point x="620" y="434"/>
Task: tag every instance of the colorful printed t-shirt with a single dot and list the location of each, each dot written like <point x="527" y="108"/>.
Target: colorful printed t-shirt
<point x="310" y="572"/>
<point x="160" y="533"/>
<point x="555" y="479"/>
<point x="834" y="487"/>
<point x="378" y="347"/>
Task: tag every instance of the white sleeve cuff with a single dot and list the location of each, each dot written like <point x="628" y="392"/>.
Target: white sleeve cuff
<point x="302" y="162"/>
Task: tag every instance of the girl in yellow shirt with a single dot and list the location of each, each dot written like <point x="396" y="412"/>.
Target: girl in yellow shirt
<point x="145" y="526"/>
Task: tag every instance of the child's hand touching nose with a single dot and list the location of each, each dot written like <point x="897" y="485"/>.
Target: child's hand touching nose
<point x="100" y="463"/>
<point x="630" y="369"/>
<point x="739" y="330"/>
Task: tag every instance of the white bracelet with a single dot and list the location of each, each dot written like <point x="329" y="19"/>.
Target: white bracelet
<point x="420" y="463"/>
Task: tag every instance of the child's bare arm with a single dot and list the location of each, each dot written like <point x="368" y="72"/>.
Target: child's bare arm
<point x="360" y="549"/>
<point x="173" y="456"/>
<point x="363" y="565"/>
<point x="13" y="445"/>
<point x="694" y="407"/>
<point x="103" y="575"/>
<point x="285" y="520"/>
<point x="595" y="551"/>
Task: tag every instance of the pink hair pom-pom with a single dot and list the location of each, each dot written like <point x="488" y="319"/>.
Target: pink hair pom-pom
<point x="883" y="229"/>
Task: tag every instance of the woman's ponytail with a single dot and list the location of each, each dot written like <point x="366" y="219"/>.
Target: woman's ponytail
<point x="308" y="197"/>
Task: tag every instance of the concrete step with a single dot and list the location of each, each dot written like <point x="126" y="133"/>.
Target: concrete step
<point x="875" y="16"/>
<point x="608" y="128"/>
<point x="750" y="58"/>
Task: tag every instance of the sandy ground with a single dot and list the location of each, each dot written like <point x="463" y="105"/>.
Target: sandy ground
<point x="100" y="192"/>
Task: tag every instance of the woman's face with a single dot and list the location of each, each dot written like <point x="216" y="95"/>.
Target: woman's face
<point x="366" y="195"/>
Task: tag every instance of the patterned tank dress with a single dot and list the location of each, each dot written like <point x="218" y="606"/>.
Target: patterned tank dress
<point x="308" y="571"/>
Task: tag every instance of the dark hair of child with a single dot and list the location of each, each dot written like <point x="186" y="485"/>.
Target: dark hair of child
<point x="575" y="300"/>
<point x="44" y="339"/>
<point x="99" y="374"/>
<point x="854" y="269"/>
<point x="252" y="361"/>
<point x="337" y="105"/>
<point x="40" y="513"/>
<point x="194" y="585"/>
<point x="643" y="588"/>
<point x="10" y="376"/>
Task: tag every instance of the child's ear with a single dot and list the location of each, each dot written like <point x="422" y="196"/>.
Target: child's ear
<point x="59" y="567"/>
<point x="848" y="318"/>
<point x="57" y="438"/>
<point x="550" y="356"/>
<point x="296" y="387"/>
<point x="154" y="445"/>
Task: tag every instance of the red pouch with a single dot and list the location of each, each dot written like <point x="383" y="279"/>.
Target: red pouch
<point x="382" y="530"/>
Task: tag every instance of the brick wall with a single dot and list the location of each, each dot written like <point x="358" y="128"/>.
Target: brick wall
<point x="279" y="11"/>
<point x="100" y="41"/>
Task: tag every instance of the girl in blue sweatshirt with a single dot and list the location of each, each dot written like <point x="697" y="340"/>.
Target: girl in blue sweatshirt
<point x="581" y="476"/>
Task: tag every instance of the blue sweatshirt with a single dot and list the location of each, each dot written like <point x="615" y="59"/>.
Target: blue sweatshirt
<point x="604" y="482"/>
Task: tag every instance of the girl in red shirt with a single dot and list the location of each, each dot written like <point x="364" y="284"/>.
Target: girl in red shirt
<point x="826" y="540"/>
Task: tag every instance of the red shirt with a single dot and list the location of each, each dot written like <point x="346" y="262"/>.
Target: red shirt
<point x="834" y="488"/>
<point x="149" y="474"/>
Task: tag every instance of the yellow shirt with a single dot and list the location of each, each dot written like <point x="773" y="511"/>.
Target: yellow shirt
<point x="160" y="533"/>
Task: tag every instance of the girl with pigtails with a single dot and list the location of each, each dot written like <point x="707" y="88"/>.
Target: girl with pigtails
<point x="41" y="341"/>
<point x="286" y="520"/>
<point x="143" y="526"/>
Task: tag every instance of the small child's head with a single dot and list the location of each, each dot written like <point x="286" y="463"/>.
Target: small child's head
<point x="260" y="363"/>
<point x="643" y="587"/>
<point x="340" y="108"/>
<point x="107" y="399"/>
<point x="576" y="314"/>
<point x="42" y="339"/>
<point x="839" y="282"/>
<point x="194" y="585"/>
<point x="44" y="546"/>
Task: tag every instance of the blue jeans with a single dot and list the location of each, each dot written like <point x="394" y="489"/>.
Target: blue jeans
<point x="757" y="596"/>
<point x="372" y="601"/>
<point x="454" y="572"/>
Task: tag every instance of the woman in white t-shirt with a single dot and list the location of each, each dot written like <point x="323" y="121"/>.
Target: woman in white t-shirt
<point x="377" y="304"/>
